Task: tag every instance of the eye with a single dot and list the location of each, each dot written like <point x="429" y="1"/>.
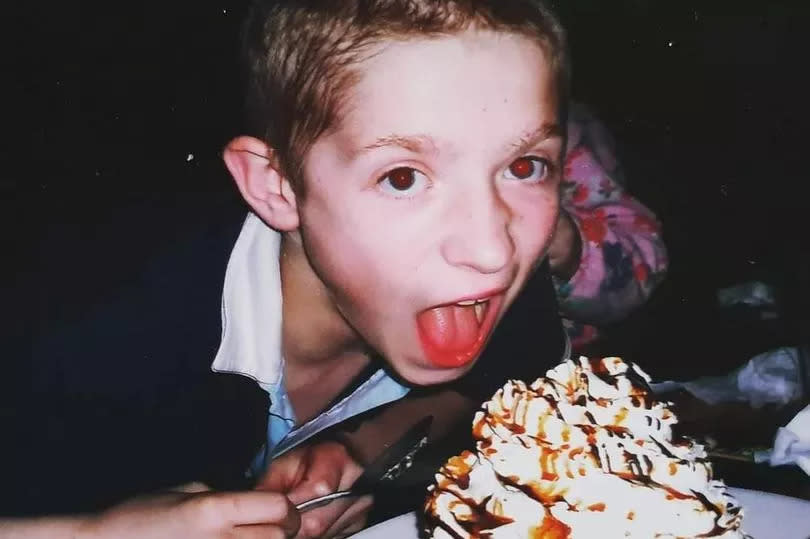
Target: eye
<point x="527" y="169"/>
<point x="403" y="181"/>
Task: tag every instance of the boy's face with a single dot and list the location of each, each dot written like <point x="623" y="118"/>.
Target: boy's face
<point x="439" y="189"/>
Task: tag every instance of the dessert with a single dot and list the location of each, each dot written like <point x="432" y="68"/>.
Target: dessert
<point x="584" y="452"/>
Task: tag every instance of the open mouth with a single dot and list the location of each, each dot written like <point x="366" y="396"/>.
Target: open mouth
<point x="453" y="334"/>
<point x="479" y="307"/>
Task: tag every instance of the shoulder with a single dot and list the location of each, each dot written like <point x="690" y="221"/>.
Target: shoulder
<point x="115" y="360"/>
<point x="144" y="289"/>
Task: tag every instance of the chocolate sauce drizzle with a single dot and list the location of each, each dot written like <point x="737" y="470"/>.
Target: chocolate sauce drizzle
<point x="640" y="467"/>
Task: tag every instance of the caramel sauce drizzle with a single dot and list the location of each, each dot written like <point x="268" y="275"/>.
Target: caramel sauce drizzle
<point x="638" y="467"/>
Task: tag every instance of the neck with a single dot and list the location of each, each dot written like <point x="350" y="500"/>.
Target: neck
<point x="317" y="339"/>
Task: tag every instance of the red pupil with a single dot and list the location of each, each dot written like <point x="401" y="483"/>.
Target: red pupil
<point x="401" y="178"/>
<point x="522" y="168"/>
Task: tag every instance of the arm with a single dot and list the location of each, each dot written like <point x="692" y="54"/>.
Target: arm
<point x="608" y="254"/>
<point x="34" y="528"/>
<point x="172" y="514"/>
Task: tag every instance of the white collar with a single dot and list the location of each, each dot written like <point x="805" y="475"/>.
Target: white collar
<point x="251" y="306"/>
<point x="251" y="341"/>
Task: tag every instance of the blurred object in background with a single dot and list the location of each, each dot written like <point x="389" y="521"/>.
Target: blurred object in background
<point x="751" y="295"/>
<point x="741" y="414"/>
<point x="791" y="445"/>
<point x="776" y="377"/>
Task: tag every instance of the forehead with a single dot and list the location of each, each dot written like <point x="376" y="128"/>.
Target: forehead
<point x="478" y="88"/>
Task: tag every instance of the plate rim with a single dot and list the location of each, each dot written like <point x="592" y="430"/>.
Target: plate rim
<point x="747" y="492"/>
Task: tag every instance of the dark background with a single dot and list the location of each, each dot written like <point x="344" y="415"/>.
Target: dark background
<point x="120" y="106"/>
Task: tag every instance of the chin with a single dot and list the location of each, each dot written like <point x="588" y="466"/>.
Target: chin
<point x="423" y="374"/>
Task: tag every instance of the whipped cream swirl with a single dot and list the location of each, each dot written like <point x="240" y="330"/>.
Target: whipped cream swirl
<point x="584" y="452"/>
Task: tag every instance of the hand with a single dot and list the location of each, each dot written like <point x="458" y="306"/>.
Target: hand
<point x="566" y="247"/>
<point x="243" y="515"/>
<point x="315" y="470"/>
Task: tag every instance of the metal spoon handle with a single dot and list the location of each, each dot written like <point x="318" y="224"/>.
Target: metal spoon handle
<point x="393" y="462"/>
<point x="320" y="501"/>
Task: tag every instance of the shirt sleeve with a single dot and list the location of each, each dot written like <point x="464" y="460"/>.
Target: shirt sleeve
<point x="623" y="254"/>
<point x="115" y="395"/>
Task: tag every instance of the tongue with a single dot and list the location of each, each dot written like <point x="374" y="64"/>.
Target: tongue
<point x="453" y="328"/>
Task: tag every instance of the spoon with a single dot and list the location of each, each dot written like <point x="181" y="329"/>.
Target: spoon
<point x="390" y="465"/>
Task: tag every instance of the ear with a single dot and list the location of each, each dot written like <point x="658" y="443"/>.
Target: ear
<point x="255" y="169"/>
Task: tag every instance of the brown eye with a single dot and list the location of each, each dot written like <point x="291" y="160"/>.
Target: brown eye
<point x="402" y="178"/>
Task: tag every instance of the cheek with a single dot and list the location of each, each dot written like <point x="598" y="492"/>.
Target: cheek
<point x="383" y="245"/>
<point x="341" y="262"/>
<point x="357" y="260"/>
<point x="534" y="222"/>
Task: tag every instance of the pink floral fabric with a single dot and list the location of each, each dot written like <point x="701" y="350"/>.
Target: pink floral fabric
<point x="623" y="253"/>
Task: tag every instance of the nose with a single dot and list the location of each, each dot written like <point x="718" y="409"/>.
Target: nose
<point x="478" y="237"/>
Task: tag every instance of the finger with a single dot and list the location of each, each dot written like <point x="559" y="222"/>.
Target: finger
<point x="191" y="488"/>
<point x="316" y="522"/>
<point x="348" y="532"/>
<point x="260" y="531"/>
<point x="316" y="482"/>
<point x="330" y="468"/>
<point x="232" y="509"/>
<point x="327" y="521"/>
<point x="286" y="471"/>
<point x="353" y="519"/>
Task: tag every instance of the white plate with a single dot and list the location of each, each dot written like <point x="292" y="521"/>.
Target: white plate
<point x="767" y="516"/>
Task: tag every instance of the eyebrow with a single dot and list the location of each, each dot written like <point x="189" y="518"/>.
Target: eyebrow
<point x="426" y="143"/>
<point x="412" y="143"/>
<point x="542" y="133"/>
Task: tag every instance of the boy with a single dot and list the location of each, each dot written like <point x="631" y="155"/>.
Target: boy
<point x="404" y="187"/>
